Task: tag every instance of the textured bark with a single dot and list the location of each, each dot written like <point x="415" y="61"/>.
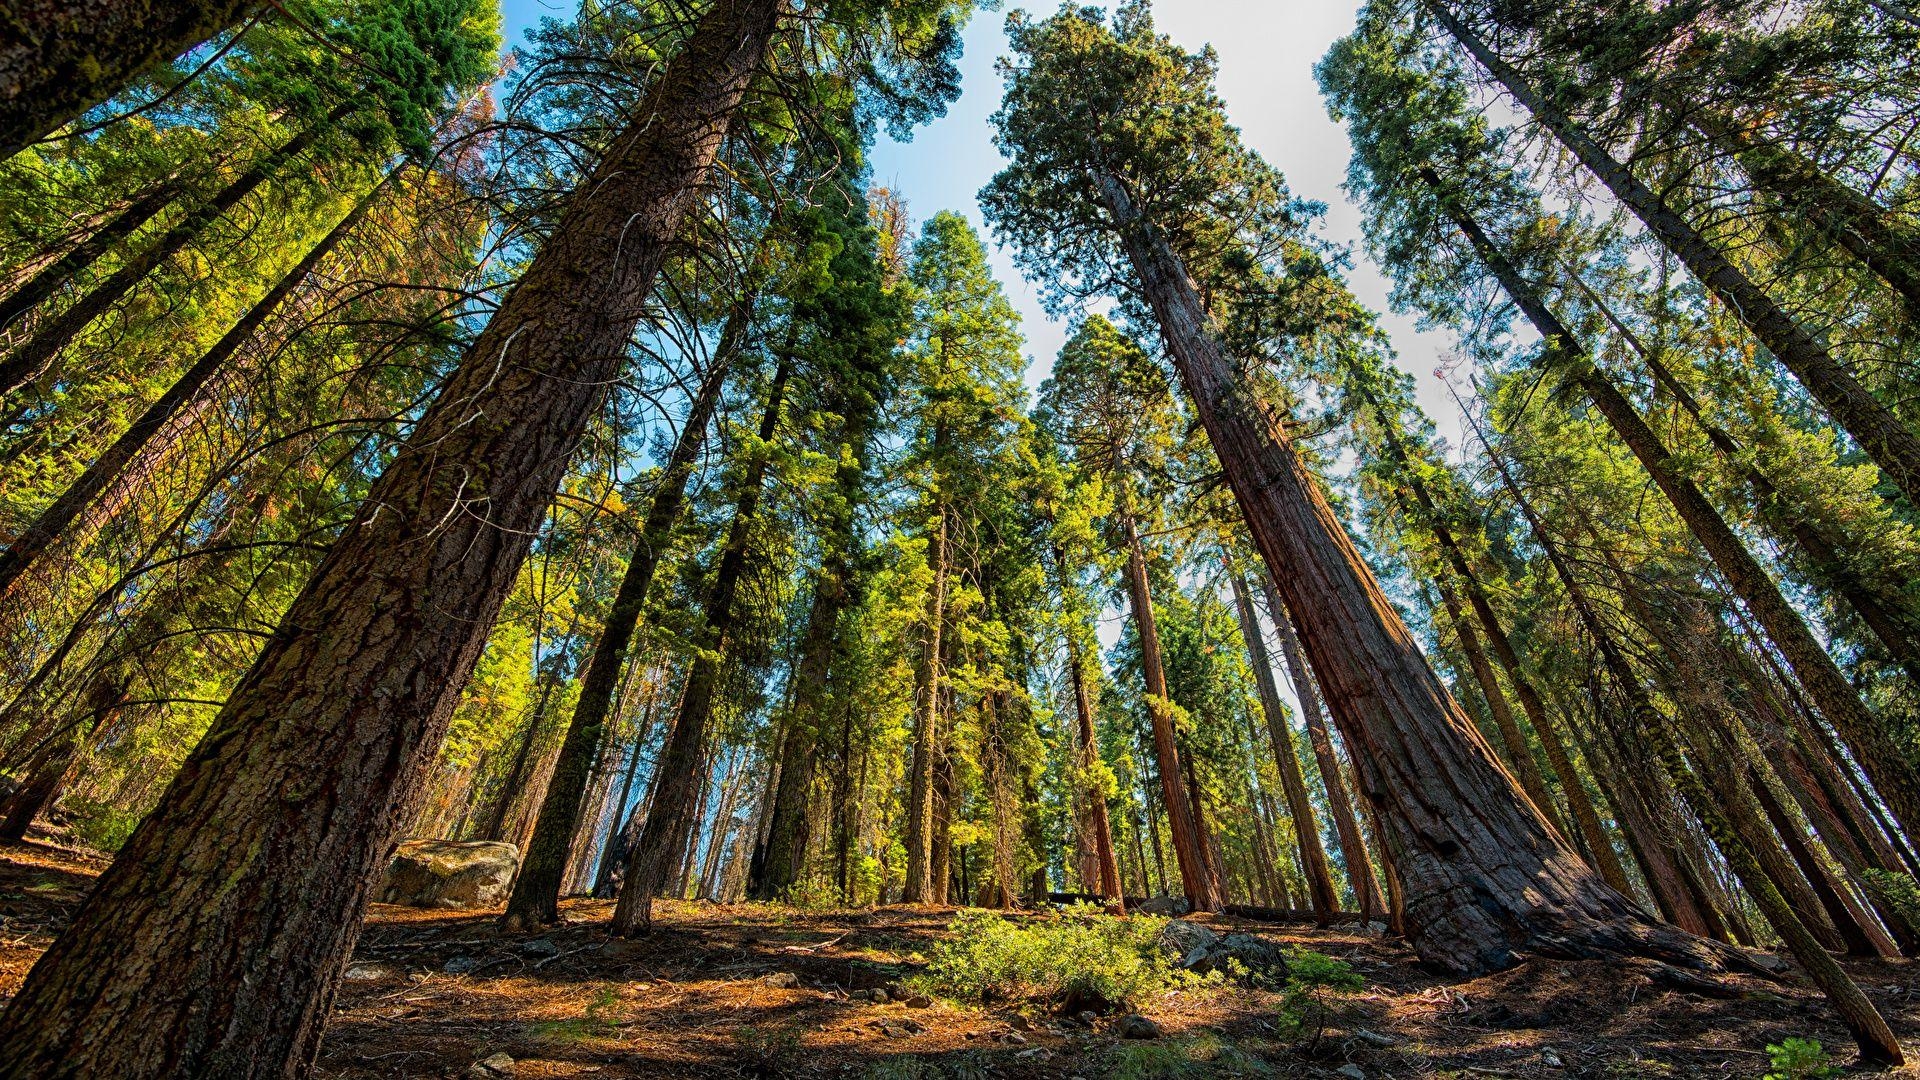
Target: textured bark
<point x="1483" y="872"/>
<point x="35" y="356"/>
<point x="676" y="784"/>
<point x="213" y="943"/>
<point x="1887" y="441"/>
<point x="1519" y="754"/>
<point x="1353" y="845"/>
<point x="155" y="428"/>
<point x="59" y="58"/>
<point x="535" y="900"/>
<point x="1202" y="890"/>
<point x="76" y="260"/>
<point x="1887" y="764"/>
<point x="1306" y="828"/>
<point x="1599" y="847"/>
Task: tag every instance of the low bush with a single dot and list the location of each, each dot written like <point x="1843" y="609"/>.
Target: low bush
<point x="1080" y="955"/>
<point x="1306" y="1006"/>
<point x="101" y="826"/>
<point x="1798" y="1059"/>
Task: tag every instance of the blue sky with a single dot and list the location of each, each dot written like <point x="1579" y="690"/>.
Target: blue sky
<point x="1267" y="51"/>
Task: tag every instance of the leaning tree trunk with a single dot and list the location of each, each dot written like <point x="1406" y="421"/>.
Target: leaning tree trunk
<point x="213" y="944"/>
<point x="1519" y="754"/>
<point x="676" y="782"/>
<point x="1870" y="1030"/>
<point x="1306" y="828"/>
<point x="1201" y="888"/>
<point x="1585" y="818"/>
<point x="1885" y="615"/>
<point x="535" y="900"/>
<point x="1882" y="242"/>
<point x="1353" y="845"/>
<point x="60" y="58"/>
<point x="74" y="262"/>
<point x="36" y="354"/>
<point x="1483" y="873"/>
<point x="1887" y="441"/>
<point x="155" y="427"/>
<point x="1891" y="770"/>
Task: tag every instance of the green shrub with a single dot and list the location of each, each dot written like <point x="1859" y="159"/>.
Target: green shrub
<point x="1798" y="1059"/>
<point x="100" y="825"/>
<point x="1082" y="954"/>
<point x="1304" y="1003"/>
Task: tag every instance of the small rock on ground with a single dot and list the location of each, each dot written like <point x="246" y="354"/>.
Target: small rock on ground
<point x="783" y="980"/>
<point x="1137" y="1027"/>
<point x="493" y="1065"/>
<point x="1352" y="1072"/>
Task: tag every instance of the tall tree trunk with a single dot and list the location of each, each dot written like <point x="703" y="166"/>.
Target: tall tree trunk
<point x="1889" y="442"/>
<point x="1087" y="747"/>
<point x="213" y="943"/>
<point x="535" y="900"/>
<point x="1870" y="1030"/>
<point x="1201" y="889"/>
<point x="1353" y="845"/>
<point x="1306" y="828"/>
<point x="1484" y="874"/>
<point x="60" y="58"/>
<point x="674" y="778"/>
<point x="1882" y="242"/>
<point x="1892" y="771"/>
<point x="75" y="261"/>
<point x="154" y="429"/>
<point x="1519" y="754"/>
<point x="1599" y="847"/>
<point x="919" y="886"/>
<point x="1885" y="616"/>
<point x="34" y="356"/>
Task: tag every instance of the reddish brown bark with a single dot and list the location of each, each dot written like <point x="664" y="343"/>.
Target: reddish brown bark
<point x="1306" y="827"/>
<point x="1201" y="888"/>
<point x="212" y="944"/>
<point x="1483" y="872"/>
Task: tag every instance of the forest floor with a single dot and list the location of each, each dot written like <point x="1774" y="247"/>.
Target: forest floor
<point x="437" y="994"/>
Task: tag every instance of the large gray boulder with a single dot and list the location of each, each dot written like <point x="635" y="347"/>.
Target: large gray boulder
<point x="1197" y="949"/>
<point x="450" y="873"/>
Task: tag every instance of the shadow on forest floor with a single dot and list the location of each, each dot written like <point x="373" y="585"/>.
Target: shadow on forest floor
<point x="432" y="993"/>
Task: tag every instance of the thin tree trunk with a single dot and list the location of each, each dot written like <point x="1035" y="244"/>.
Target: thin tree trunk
<point x="154" y="429"/>
<point x="1519" y="754"/>
<point x="919" y="886"/>
<point x="61" y="57"/>
<point x="1201" y="889"/>
<point x="1452" y="815"/>
<point x="213" y="943"/>
<point x="1088" y="747"/>
<point x="1353" y="846"/>
<point x="535" y="900"/>
<point x="1888" y="765"/>
<point x="1881" y="434"/>
<point x="673" y="778"/>
<point x="1306" y="828"/>
<point x="1885" y="616"/>
<point x="35" y="356"/>
<point x="76" y="261"/>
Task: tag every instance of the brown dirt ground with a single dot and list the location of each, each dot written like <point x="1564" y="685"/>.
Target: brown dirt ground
<point x="431" y="993"/>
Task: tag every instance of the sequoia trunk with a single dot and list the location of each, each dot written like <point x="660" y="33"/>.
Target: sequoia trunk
<point x="213" y="943"/>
